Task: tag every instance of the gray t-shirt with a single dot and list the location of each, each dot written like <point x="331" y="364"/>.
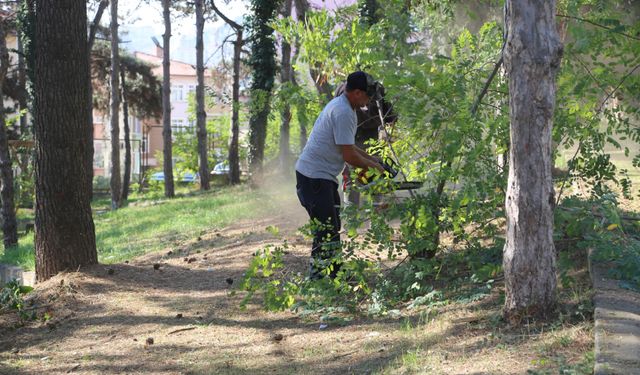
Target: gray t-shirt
<point x="322" y="155"/>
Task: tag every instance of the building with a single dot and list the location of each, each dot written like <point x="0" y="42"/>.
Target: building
<point x="146" y="134"/>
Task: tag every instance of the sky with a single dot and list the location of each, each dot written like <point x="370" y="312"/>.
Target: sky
<point x="141" y="21"/>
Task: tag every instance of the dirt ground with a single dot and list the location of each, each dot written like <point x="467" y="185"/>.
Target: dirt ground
<point x="181" y="319"/>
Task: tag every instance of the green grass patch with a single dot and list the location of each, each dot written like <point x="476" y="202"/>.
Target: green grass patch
<point x="148" y="225"/>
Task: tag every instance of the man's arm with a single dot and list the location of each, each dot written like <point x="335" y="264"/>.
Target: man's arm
<point x="355" y="156"/>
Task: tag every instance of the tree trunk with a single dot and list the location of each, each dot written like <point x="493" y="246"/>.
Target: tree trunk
<point x="234" y="152"/>
<point x="532" y="58"/>
<point x="319" y="80"/>
<point x="285" y="116"/>
<point x="302" y="7"/>
<point x="22" y="83"/>
<point x="201" y="114"/>
<point x="126" y="178"/>
<point x="93" y="28"/>
<point x="9" y="224"/>
<point x="169" y="190"/>
<point x="114" y="81"/>
<point x="65" y="234"/>
<point x="263" y="65"/>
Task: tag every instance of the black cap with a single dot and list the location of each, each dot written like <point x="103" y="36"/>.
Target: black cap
<point x="361" y="81"/>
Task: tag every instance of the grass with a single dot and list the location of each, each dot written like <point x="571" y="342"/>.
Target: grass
<point x="150" y="223"/>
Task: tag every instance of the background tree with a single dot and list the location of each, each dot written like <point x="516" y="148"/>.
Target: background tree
<point x="169" y="189"/>
<point x="532" y="59"/>
<point x="126" y="175"/>
<point x="234" y="142"/>
<point x="114" y="113"/>
<point x="9" y="223"/>
<point x="201" y="114"/>
<point x="263" y="65"/>
<point x="65" y="234"/>
<point x="286" y="73"/>
<point x="141" y="94"/>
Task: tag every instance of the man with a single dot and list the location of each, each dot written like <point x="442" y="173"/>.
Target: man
<point x="330" y="145"/>
<point x="370" y="127"/>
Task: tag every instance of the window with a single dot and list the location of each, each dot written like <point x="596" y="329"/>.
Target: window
<point x="177" y="93"/>
<point x="98" y="154"/>
<point x="177" y="125"/>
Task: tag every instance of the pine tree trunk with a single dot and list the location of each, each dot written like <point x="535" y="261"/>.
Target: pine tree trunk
<point x="285" y="116"/>
<point x="114" y="81"/>
<point x="201" y="114"/>
<point x="234" y="153"/>
<point x="126" y="178"/>
<point x="93" y="28"/>
<point x="65" y="235"/>
<point x="169" y="190"/>
<point x="532" y="58"/>
<point x="22" y="83"/>
<point x="9" y="224"/>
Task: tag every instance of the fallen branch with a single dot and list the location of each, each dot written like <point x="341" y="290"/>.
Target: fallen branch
<point x="181" y="330"/>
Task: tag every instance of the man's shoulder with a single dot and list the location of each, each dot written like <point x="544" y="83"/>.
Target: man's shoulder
<point x="341" y="105"/>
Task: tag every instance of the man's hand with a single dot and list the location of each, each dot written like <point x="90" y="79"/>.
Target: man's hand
<point x="355" y="156"/>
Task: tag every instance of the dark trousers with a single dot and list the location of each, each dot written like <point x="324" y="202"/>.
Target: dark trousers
<point x="321" y="200"/>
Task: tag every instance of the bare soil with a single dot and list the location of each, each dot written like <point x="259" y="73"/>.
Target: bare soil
<point x="182" y="319"/>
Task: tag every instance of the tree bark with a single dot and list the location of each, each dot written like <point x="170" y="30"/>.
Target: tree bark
<point x="9" y="224"/>
<point x="532" y="58"/>
<point x="234" y="141"/>
<point x="169" y="190"/>
<point x="114" y="113"/>
<point x="285" y="116"/>
<point x="22" y="83"/>
<point x="302" y="7"/>
<point x="263" y="65"/>
<point x="93" y="28"/>
<point x="126" y="178"/>
<point x="201" y="114"/>
<point x="64" y="230"/>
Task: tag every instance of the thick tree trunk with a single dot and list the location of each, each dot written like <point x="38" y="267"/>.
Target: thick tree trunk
<point x="114" y="114"/>
<point x="9" y="224"/>
<point x="532" y="58"/>
<point x="65" y="235"/>
<point x="234" y="152"/>
<point x="169" y="190"/>
<point x="126" y="178"/>
<point x="201" y="114"/>
<point x="285" y="116"/>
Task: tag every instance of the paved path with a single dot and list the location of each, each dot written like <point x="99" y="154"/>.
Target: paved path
<point x="617" y="326"/>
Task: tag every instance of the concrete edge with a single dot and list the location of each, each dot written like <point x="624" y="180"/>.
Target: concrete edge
<point x="9" y="272"/>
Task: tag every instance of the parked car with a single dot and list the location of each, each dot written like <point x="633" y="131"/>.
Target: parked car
<point x="221" y="169"/>
<point x="184" y="177"/>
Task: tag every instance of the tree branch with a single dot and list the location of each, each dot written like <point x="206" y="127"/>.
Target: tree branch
<point x="226" y="19"/>
<point x="597" y="25"/>
<point x="474" y="108"/>
<point x="617" y="87"/>
<point x="96" y="20"/>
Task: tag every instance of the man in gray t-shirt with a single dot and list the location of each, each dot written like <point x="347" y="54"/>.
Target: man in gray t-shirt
<point x="330" y="145"/>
